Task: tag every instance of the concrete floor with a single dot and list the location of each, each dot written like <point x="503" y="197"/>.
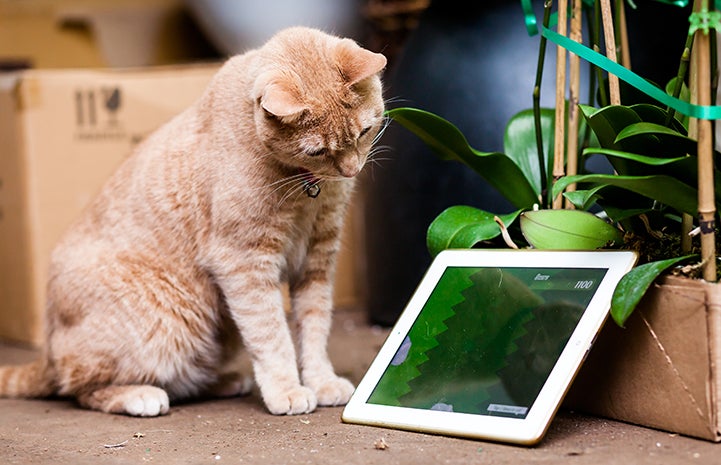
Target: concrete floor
<point x="239" y="431"/>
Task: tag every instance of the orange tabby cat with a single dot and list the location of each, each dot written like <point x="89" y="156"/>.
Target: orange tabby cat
<point x="185" y="250"/>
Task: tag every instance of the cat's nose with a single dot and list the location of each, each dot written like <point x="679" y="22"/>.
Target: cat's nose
<point x="349" y="166"/>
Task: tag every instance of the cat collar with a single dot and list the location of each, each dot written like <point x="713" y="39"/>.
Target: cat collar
<point x="311" y="184"/>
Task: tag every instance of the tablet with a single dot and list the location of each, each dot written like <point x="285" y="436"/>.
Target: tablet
<point x="489" y="343"/>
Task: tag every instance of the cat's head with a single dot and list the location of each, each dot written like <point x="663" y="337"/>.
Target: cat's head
<point x="318" y="101"/>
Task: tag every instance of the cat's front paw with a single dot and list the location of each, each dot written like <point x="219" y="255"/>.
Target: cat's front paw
<point x="334" y="391"/>
<point x="147" y="401"/>
<point x="295" y="401"/>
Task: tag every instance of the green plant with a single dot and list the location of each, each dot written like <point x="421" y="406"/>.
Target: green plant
<point x="646" y="204"/>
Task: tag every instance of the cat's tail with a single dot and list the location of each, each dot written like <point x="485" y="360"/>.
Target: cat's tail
<point x="34" y="379"/>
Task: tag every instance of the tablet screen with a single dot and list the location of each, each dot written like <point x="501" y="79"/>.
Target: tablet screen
<point x="486" y="339"/>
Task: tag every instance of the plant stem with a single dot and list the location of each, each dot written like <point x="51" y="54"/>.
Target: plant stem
<point x="682" y="69"/>
<point x="537" y="106"/>
<point x="560" y="120"/>
<point x="591" y="82"/>
<point x="602" y="91"/>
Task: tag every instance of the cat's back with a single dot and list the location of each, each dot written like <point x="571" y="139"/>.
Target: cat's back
<point x="221" y="161"/>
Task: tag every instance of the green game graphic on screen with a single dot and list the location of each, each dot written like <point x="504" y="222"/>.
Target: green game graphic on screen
<point x="486" y="339"/>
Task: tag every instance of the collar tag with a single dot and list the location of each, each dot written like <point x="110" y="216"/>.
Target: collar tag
<point x="311" y="188"/>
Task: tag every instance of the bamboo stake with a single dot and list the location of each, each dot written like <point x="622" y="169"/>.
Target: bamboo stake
<point x="559" y="139"/>
<point x="573" y="99"/>
<point x="623" y="33"/>
<point x="610" y="39"/>
<point x="706" y="203"/>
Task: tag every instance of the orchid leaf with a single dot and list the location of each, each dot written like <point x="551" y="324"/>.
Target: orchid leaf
<point x="671" y="141"/>
<point x="568" y="230"/>
<point x="646" y="160"/>
<point x="447" y="141"/>
<point x="519" y="143"/>
<point x="583" y="199"/>
<point x="634" y="284"/>
<point x="462" y="226"/>
<point x="684" y="168"/>
<point x="664" y="189"/>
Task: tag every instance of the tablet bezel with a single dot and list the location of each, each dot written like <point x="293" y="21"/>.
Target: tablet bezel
<point x="530" y="429"/>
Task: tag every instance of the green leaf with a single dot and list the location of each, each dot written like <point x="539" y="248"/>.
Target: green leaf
<point x="683" y="168"/>
<point x="669" y="141"/>
<point x="646" y="160"/>
<point x="664" y="189"/>
<point x="568" y="230"/>
<point x="462" y="227"/>
<point x="634" y="284"/>
<point x="519" y="143"/>
<point x="449" y="143"/>
<point x="658" y="115"/>
<point x="607" y="122"/>
<point x="583" y="199"/>
<point x="621" y="214"/>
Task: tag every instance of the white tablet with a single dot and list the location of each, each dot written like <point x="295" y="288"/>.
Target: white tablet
<point x="489" y="343"/>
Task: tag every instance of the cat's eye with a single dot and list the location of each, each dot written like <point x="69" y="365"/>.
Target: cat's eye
<point x="317" y="153"/>
<point x="364" y="132"/>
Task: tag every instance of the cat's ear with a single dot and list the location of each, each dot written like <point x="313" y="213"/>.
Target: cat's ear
<point x="357" y="63"/>
<point x="279" y="97"/>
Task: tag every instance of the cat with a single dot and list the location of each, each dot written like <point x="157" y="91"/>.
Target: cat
<point x="183" y="254"/>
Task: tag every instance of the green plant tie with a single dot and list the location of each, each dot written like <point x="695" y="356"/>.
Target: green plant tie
<point x="704" y="20"/>
<point x="710" y="112"/>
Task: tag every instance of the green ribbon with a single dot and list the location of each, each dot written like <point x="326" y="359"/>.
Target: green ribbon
<point x="633" y="79"/>
<point x="628" y="76"/>
<point x="530" y="17"/>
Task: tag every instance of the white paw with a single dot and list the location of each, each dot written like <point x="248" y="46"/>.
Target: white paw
<point x="146" y="401"/>
<point x="334" y="391"/>
<point x="295" y="401"/>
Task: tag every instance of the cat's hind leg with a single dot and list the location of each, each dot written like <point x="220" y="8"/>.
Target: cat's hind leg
<point x="136" y="400"/>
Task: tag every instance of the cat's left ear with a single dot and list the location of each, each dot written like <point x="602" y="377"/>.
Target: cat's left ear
<point x="279" y="97"/>
<point x="281" y="101"/>
<point x="357" y="63"/>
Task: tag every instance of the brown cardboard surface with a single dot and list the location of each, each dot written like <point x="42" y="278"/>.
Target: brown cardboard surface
<point x="88" y="33"/>
<point x="62" y="133"/>
<point x="660" y="371"/>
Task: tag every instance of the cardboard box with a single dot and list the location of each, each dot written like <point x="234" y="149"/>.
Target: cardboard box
<point x="664" y="369"/>
<point x="87" y="33"/>
<point x="62" y="133"/>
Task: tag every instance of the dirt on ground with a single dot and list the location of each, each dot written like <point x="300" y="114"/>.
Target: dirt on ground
<point x="240" y="431"/>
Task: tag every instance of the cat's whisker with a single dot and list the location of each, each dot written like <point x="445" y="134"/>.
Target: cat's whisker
<point x="292" y="186"/>
<point x="373" y="155"/>
<point x="382" y="130"/>
<point x="284" y="182"/>
<point x="396" y="99"/>
<point x="296" y="189"/>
